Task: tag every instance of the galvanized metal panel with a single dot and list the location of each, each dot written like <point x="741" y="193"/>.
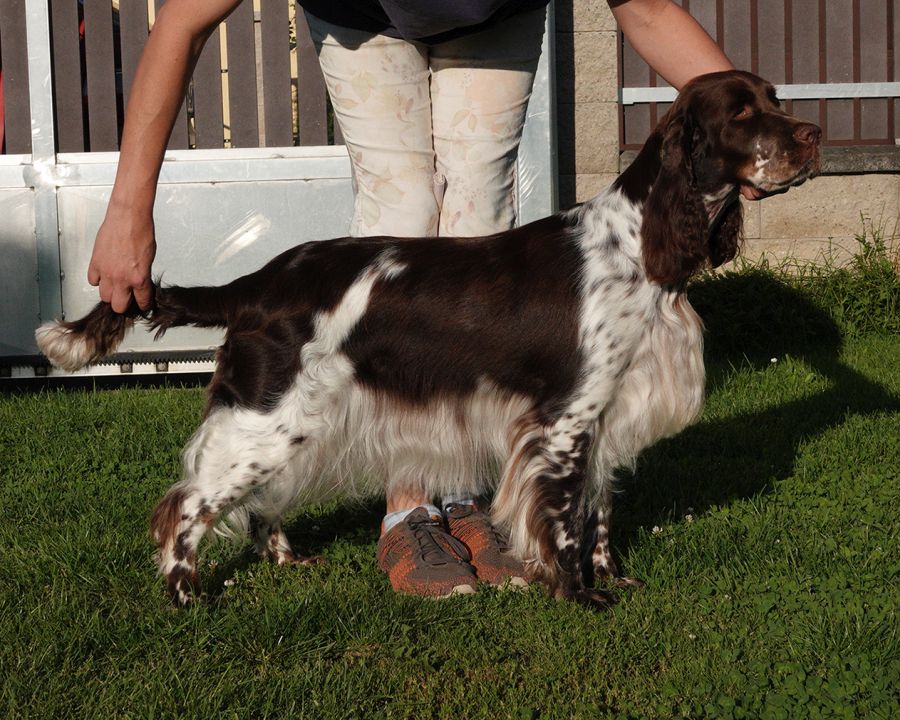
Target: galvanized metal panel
<point x="206" y="234"/>
<point x="536" y="170"/>
<point x="43" y="149"/>
<point x="219" y="214"/>
<point x="19" y="298"/>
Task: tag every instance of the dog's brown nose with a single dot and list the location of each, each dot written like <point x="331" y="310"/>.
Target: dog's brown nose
<point x="808" y="133"/>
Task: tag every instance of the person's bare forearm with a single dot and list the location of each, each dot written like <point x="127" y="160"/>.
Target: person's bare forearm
<point x="156" y="97"/>
<point x="669" y="39"/>
<point x="159" y="85"/>
<point x="125" y="245"/>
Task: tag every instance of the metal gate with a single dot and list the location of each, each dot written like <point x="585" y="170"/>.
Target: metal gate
<point x="219" y="213"/>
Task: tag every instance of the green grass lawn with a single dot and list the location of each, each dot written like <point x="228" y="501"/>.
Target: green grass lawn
<point x="767" y="535"/>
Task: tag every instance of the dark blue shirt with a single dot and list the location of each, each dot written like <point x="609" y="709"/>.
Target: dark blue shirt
<point x="427" y="21"/>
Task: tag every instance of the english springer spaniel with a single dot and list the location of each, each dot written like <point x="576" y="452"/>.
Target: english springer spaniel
<point x="534" y="362"/>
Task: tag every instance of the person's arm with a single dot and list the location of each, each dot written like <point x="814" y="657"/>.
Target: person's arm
<point x="672" y="43"/>
<point x="669" y="39"/>
<point x="125" y="245"/>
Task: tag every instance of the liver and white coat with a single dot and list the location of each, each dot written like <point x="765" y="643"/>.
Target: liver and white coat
<point x="534" y="362"/>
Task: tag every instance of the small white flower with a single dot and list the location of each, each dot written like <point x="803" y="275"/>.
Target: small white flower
<point x="229" y="582"/>
<point x="777" y="542"/>
<point x="773" y="360"/>
<point x="656" y="530"/>
<point x="692" y="636"/>
<point x="689" y="518"/>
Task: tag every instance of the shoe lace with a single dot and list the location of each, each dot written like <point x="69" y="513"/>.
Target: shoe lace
<point x="429" y="549"/>
<point x="499" y="537"/>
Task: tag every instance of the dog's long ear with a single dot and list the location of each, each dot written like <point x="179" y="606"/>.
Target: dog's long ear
<point x="675" y="225"/>
<point x="727" y="234"/>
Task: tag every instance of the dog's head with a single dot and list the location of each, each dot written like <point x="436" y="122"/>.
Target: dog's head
<point x="725" y="130"/>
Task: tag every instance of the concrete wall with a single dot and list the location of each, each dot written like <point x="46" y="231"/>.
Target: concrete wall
<point x="805" y="222"/>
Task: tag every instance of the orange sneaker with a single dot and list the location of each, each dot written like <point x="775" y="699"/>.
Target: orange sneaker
<point x="420" y="558"/>
<point x="487" y="546"/>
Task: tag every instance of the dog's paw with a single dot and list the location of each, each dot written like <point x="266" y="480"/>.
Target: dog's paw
<point x="623" y="583"/>
<point x="594" y="598"/>
<point x="183" y="585"/>
<point x="606" y="572"/>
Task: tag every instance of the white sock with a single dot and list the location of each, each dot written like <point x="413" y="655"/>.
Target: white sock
<point x="448" y="500"/>
<point x="398" y="516"/>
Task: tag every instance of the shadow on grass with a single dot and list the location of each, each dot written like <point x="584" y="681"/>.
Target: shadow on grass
<point x="750" y="318"/>
<point x="353" y="523"/>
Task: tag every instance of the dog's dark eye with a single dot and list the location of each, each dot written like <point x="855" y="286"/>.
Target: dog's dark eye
<point x="744" y="113"/>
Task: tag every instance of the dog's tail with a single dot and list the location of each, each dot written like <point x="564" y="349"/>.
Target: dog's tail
<point x="72" y="345"/>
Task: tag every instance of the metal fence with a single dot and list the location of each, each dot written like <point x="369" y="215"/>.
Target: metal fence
<point x="257" y="83"/>
<point x="834" y="63"/>
<point x="232" y="191"/>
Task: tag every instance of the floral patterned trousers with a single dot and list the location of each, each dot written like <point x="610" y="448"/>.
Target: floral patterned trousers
<point x="433" y="131"/>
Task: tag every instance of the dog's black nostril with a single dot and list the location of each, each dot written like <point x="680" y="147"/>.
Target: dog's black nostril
<point x="808" y="133"/>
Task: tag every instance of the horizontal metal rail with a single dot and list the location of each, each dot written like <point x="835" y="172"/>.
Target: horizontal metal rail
<point x="810" y="91"/>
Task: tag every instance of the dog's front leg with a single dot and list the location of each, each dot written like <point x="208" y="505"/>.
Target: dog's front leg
<point x="556" y="519"/>
<point x="603" y="566"/>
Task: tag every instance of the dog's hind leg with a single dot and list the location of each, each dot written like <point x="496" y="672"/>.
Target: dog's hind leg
<point x="234" y="452"/>
<point x="272" y="544"/>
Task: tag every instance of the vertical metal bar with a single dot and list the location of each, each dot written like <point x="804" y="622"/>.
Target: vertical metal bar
<point x="737" y="23"/>
<point x="207" y="86"/>
<point x="242" y="91"/>
<point x="103" y="120"/>
<point x="68" y="100"/>
<point x="134" y="25"/>
<point x="890" y="66"/>
<point x="789" y="49"/>
<point x="857" y="64"/>
<point x="276" y="73"/>
<point x="536" y="167"/>
<point x="14" y="59"/>
<point x="823" y="65"/>
<point x="772" y="41"/>
<point x="720" y="23"/>
<point x="43" y="156"/>
<point x="754" y="36"/>
<point x="620" y="72"/>
<point x="311" y="92"/>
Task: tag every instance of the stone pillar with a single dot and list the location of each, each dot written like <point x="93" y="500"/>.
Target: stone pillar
<point x="587" y="95"/>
